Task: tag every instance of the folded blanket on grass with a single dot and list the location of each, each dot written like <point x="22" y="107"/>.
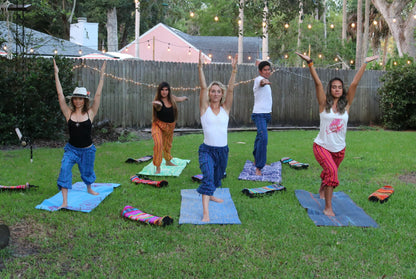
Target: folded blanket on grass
<point x="198" y="177"/>
<point x="145" y="180"/>
<point x="383" y="194"/>
<point x="19" y="187"/>
<point x="139" y="160"/>
<point x="294" y="164"/>
<point x="219" y="213"/>
<point x="150" y="169"/>
<point x="261" y="191"/>
<point x="78" y="197"/>
<point x="347" y="213"/>
<point x="270" y="173"/>
<point x="135" y="214"/>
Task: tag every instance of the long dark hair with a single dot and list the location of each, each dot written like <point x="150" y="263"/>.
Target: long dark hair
<point x="158" y="97"/>
<point x="85" y="108"/>
<point x="342" y="102"/>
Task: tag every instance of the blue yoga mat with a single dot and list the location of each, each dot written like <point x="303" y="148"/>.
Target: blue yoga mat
<point x="219" y="213"/>
<point x="78" y="197"/>
<point x="270" y="173"/>
<point x="347" y="213"/>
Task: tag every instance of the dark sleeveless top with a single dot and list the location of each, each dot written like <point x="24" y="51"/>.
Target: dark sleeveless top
<point x="80" y="133"/>
<point x="166" y="114"/>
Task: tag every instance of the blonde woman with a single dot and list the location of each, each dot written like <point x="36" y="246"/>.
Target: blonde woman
<point x="215" y="103"/>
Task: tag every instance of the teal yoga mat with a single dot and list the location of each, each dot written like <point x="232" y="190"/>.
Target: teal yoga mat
<point x="150" y="169"/>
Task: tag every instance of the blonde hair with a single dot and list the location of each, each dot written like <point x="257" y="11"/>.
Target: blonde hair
<point x="223" y="90"/>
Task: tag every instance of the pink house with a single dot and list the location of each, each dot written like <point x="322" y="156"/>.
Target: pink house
<point x="164" y="43"/>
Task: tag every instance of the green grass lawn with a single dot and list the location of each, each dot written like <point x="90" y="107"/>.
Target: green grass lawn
<point x="275" y="240"/>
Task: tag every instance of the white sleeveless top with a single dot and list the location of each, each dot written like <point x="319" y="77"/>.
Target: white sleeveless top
<point x="215" y="127"/>
<point x="333" y="130"/>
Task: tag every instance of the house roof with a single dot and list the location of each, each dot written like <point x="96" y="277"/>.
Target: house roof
<point x="41" y="43"/>
<point x="220" y="47"/>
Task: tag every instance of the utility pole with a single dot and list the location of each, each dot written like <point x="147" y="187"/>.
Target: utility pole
<point x="265" y="53"/>
<point x="241" y="32"/>
<point x="137" y="26"/>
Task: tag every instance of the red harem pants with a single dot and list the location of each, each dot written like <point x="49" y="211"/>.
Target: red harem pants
<point x="162" y="133"/>
<point x="330" y="162"/>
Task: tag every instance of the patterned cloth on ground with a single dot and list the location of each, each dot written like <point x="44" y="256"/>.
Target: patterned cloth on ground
<point x="18" y="187"/>
<point x="135" y="214"/>
<point x="347" y="213"/>
<point x="294" y="164"/>
<point x="258" y="192"/>
<point x="270" y="173"/>
<point x="78" y="197"/>
<point x="219" y="213"/>
<point x="150" y="169"/>
<point x="382" y="194"/>
<point x="140" y="160"/>
<point x="139" y="180"/>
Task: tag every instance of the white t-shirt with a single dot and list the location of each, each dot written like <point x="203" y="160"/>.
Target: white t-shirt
<point x="333" y="130"/>
<point x="215" y="127"/>
<point x="262" y="97"/>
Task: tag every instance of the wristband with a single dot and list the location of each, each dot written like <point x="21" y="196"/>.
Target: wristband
<point x="310" y="64"/>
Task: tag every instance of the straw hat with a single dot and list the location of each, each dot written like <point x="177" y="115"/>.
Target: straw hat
<point x="80" y="92"/>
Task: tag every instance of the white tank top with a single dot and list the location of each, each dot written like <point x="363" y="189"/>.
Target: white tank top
<point x="332" y="132"/>
<point x="215" y="127"/>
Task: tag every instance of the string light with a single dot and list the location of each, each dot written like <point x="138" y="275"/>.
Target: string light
<point x="336" y="59"/>
<point x="80" y="51"/>
<point x="309" y="26"/>
<point x="168" y="46"/>
<point x="127" y="49"/>
<point x="375" y="22"/>
<point x="216" y="18"/>
<point x="189" y="51"/>
<point x="103" y="51"/>
<point x="264" y="24"/>
<point x="210" y="55"/>
<point x="5" y="47"/>
<point x="351" y="62"/>
<point x="286" y="56"/>
<point x="148" y="44"/>
<point x="320" y="56"/>
<point x="395" y="63"/>
<point x="381" y="63"/>
<point x="55" y="51"/>
<point x="229" y="57"/>
<point x="286" y="25"/>
<point x="249" y="57"/>
<point x="408" y="62"/>
<point x="414" y="16"/>
<point x="353" y="25"/>
<point x="394" y="20"/>
<point x="31" y="50"/>
<point x="239" y="21"/>
<point x="191" y="14"/>
<point x="332" y="26"/>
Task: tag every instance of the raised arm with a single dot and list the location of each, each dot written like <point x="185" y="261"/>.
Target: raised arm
<point x="66" y="110"/>
<point x="203" y="96"/>
<point x="320" y="93"/>
<point x="230" y="88"/>
<point x="97" y="96"/>
<point x="354" y="84"/>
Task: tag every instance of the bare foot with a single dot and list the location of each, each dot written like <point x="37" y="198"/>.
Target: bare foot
<point x="169" y="163"/>
<point x="215" y="199"/>
<point x="64" y="205"/>
<point x="91" y="191"/>
<point x="258" y="171"/>
<point x="157" y="170"/>
<point x="329" y="212"/>
<point x="205" y="218"/>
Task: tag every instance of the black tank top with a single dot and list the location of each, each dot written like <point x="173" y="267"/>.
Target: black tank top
<point x="166" y="114"/>
<point x="80" y="133"/>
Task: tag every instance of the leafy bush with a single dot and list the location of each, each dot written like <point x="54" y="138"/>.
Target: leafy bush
<point x="398" y="97"/>
<point x="29" y="99"/>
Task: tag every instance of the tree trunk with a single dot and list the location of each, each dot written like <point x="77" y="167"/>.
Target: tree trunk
<point x="241" y="33"/>
<point x="265" y="54"/>
<point x="359" y="40"/>
<point x="366" y="30"/>
<point x="344" y="22"/>
<point x="402" y="29"/>
<point x="112" y="37"/>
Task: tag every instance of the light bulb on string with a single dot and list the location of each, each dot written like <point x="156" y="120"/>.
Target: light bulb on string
<point x="286" y="25"/>
<point x="148" y="44"/>
<point x="216" y="18"/>
<point x="168" y="46"/>
<point x="309" y="26"/>
<point x="191" y="14"/>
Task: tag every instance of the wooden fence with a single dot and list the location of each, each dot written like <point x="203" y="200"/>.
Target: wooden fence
<point x="130" y="87"/>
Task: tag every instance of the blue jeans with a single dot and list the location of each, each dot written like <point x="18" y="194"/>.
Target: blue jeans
<point x="84" y="157"/>
<point x="260" y="144"/>
<point x="213" y="162"/>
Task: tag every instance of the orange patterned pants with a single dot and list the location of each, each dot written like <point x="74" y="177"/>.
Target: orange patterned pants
<point x="162" y="134"/>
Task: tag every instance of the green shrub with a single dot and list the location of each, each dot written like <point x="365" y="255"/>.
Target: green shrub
<point x="398" y="97"/>
<point x="29" y="98"/>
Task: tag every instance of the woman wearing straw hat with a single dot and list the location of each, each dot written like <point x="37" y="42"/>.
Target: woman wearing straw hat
<point x="79" y="150"/>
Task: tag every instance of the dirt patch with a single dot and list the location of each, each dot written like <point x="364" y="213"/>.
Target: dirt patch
<point x="409" y="178"/>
